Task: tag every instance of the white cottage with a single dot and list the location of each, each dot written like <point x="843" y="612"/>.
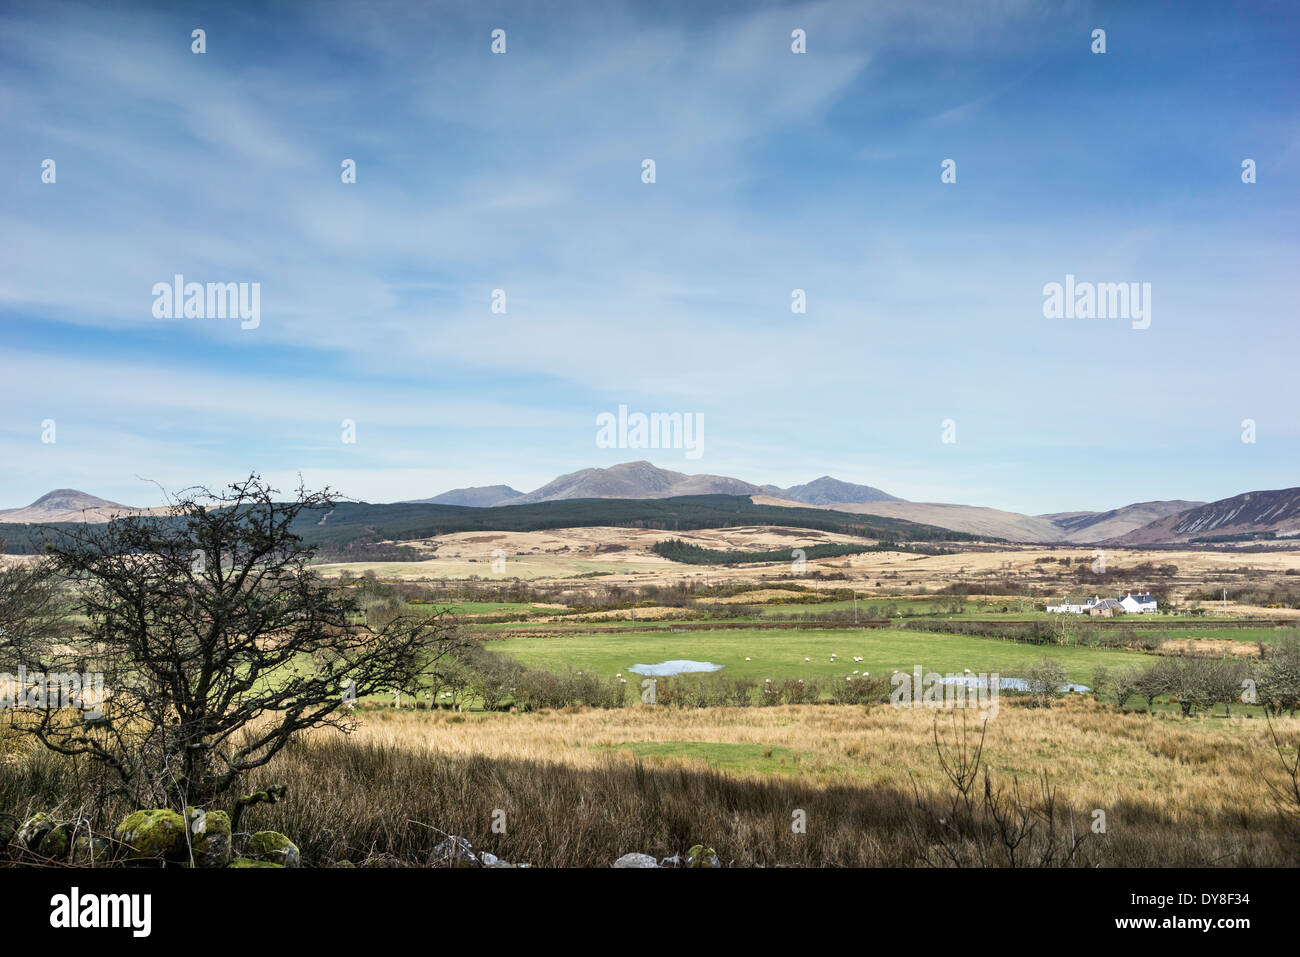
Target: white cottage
<point x="1067" y="607"/>
<point x="1139" y="604"/>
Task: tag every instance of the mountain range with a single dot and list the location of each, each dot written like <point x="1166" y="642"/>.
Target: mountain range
<point x="633" y="480"/>
<point x="1273" y="513"/>
<point x="644" y="480"/>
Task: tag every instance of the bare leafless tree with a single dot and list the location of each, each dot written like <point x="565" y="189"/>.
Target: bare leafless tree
<point x="33" y="612"/>
<point x="217" y="641"/>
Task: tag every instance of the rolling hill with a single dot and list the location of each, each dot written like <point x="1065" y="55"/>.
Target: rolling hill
<point x="646" y="480"/>
<point x="699" y="499"/>
<point x="632" y="480"/>
<point x="1274" y="513"/>
<point x="1099" y="526"/>
<point x="831" y="491"/>
<point x="477" y="496"/>
<point x="359" y="523"/>
<point x="643" y="480"/>
<point x="66" y="505"/>
<point x="972" y="519"/>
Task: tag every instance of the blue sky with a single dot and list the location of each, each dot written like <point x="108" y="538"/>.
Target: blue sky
<point x="775" y="171"/>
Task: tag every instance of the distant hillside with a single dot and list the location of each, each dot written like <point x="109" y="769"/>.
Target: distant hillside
<point x="1159" y="522"/>
<point x="831" y="491"/>
<point x="646" y="480"/>
<point x="360" y="523"/>
<point x="634" y="480"/>
<point x="478" y="496"/>
<point x="1098" y="526"/>
<point x="65" y="505"/>
<point x="1275" y="512"/>
<point x="1073" y="527"/>
<point x="375" y="523"/>
<point x="972" y="519"/>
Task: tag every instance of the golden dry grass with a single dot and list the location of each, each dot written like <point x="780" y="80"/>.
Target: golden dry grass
<point x="1210" y="648"/>
<point x="1086" y="747"/>
<point x="580" y="787"/>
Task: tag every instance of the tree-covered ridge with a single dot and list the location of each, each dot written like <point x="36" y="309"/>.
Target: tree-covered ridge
<point x="359" y="522"/>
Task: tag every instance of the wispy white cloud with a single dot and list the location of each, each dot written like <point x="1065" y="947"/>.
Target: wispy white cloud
<point x="521" y="172"/>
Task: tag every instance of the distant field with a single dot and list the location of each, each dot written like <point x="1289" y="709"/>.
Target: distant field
<point x="1192" y="630"/>
<point x="779" y="654"/>
<point x="483" y="608"/>
<point x="576" y="627"/>
<point x="898" y="606"/>
<point x="525" y="567"/>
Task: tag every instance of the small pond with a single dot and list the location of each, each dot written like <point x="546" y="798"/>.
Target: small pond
<point x="666" y="669"/>
<point x="1007" y="684"/>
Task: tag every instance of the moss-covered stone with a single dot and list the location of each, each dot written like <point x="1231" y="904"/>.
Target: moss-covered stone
<point x="249" y="862"/>
<point x="701" y="856"/>
<point x="33" y="831"/>
<point x="209" y="837"/>
<point x="158" y="833"/>
<point x="87" y="850"/>
<point x="274" y="847"/>
<point x="56" y="843"/>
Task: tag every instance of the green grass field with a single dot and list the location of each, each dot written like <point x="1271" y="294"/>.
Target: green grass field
<point x="741" y="758"/>
<point x="780" y="653"/>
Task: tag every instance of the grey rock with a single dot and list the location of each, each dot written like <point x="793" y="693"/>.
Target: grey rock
<point x="88" y="850"/>
<point x="33" y="831"/>
<point x="455" y="851"/>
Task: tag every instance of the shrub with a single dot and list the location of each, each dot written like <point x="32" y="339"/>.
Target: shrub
<point x="1045" y="680"/>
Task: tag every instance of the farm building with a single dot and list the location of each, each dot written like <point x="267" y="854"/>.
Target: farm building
<point x="1106" y="608"/>
<point x="1068" y="607"/>
<point x="1133" y="603"/>
<point x="1139" y="604"/>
